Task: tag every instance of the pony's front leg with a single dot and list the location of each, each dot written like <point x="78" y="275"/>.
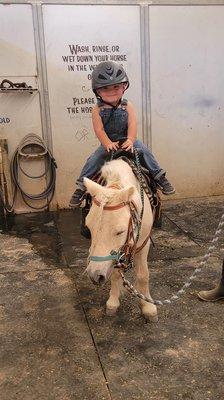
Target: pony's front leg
<point x="115" y="291"/>
<point x="149" y="310"/>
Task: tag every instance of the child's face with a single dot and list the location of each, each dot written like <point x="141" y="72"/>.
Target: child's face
<point x="112" y="94"/>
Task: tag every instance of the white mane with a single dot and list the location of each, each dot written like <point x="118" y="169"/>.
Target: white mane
<point x="118" y="172"/>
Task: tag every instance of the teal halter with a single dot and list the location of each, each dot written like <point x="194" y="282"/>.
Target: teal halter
<point x="114" y="255"/>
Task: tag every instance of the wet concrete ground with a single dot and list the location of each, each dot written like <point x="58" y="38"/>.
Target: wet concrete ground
<point x="58" y="344"/>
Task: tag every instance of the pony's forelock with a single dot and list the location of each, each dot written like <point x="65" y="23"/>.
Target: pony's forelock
<point x="111" y="171"/>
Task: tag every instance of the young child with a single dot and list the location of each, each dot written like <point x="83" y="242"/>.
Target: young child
<point x="113" y="120"/>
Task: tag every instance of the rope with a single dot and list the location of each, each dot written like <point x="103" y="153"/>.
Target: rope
<point x="49" y="172"/>
<point x="188" y="283"/>
<point x="141" y="190"/>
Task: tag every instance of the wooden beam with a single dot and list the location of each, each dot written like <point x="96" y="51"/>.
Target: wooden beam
<point x="5" y="175"/>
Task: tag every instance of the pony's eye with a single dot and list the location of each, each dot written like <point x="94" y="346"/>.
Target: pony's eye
<point x="119" y="233"/>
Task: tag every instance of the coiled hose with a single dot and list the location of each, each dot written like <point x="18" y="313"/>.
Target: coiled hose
<point x="31" y="142"/>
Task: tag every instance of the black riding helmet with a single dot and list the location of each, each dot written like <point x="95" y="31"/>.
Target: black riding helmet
<point x="106" y="74"/>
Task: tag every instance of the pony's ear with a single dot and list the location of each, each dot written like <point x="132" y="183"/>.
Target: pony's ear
<point x="126" y="194"/>
<point x="92" y="187"/>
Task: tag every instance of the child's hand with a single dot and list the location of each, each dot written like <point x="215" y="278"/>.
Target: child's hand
<point x="112" y="146"/>
<point x="127" y="145"/>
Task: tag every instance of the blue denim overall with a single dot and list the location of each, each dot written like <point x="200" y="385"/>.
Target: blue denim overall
<point x="115" y="122"/>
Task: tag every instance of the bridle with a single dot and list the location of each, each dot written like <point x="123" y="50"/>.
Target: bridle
<point x="124" y="257"/>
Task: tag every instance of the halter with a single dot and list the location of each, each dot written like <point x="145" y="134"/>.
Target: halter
<point x="124" y="256"/>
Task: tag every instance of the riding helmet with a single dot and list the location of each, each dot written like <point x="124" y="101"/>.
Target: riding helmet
<point x="108" y="73"/>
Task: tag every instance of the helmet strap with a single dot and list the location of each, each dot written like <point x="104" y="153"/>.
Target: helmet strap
<point x="112" y="105"/>
<point x="107" y="102"/>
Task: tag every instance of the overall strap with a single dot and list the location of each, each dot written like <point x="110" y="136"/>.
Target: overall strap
<point x="100" y="102"/>
<point x="124" y="102"/>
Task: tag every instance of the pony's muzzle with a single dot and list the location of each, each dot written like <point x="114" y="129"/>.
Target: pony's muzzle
<point x="99" y="274"/>
<point x="98" y="278"/>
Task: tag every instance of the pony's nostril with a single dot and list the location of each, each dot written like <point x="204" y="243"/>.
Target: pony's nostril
<point x="97" y="277"/>
<point x="101" y="279"/>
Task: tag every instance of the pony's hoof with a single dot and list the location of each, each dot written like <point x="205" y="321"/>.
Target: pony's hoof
<point x="151" y="318"/>
<point x="111" y="311"/>
<point x="149" y="312"/>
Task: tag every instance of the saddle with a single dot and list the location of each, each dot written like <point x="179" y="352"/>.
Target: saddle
<point x="147" y="182"/>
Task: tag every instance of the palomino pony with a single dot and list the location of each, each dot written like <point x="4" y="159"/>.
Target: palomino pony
<point x="109" y="221"/>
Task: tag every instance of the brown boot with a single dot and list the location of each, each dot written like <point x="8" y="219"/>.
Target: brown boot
<point x="212" y="295"/>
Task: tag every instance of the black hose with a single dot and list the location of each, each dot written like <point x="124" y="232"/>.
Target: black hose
<point x="50" y="171"/>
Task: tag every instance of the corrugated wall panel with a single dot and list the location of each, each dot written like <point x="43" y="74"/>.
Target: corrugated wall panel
<point x="19" y="111"/>
<point x="187" y="97"/>
<point x="77" y="38"/>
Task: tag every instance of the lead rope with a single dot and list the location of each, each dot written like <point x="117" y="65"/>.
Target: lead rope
<point x="188" y="283"/>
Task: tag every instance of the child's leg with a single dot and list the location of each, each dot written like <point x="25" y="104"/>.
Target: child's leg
<point x="156" y="171"/>
<point x="92" y="165"/>
<point x="151" y="163"/>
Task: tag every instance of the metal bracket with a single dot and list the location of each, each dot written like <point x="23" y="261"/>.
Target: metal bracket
<point x="8" y="86"/>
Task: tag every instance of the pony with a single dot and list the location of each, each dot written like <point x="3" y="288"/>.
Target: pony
<point x="117" y="220"/>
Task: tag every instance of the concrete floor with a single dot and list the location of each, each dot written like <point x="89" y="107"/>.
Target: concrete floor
<point x="58" y="344"/>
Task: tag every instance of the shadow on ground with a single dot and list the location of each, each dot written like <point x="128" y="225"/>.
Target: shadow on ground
<point x="58" y="344"/>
